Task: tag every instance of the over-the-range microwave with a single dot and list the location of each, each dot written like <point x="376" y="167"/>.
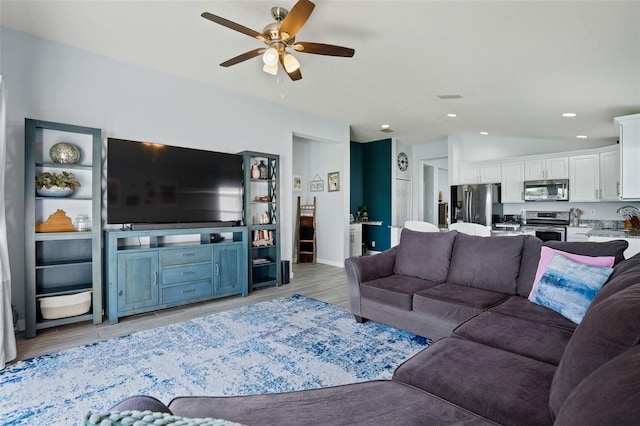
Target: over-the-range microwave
<point x="546" y="190"/>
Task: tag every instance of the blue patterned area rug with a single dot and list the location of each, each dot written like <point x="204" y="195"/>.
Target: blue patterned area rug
<point x="281" y="345"/>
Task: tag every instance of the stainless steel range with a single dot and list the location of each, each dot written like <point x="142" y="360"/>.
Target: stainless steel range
<point x="548" y="226"/>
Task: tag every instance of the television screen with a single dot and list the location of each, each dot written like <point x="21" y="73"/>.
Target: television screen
<point x="163" y="184"/>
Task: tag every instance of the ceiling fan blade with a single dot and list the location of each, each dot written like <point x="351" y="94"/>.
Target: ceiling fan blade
<point x="295" y="19"/>
<point x="234" y="26"/>
<point x="293" y="75"/>
<point x="241" y="58"/>
<point x="323" y="49"/>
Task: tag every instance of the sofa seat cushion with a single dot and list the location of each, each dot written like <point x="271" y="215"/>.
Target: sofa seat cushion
<point x="369" y="403"/>
<point x="520" y="307"/>
<point x="608" y="396"/>
<point x="455" y="303"/>
<point x="424" y="254"/>
<point x="608" y="329"/>
<point x="530" y="339"/>
<point x="396" y="290"/>
<point x="507" y="388"/>
<point x="491" y="263"/>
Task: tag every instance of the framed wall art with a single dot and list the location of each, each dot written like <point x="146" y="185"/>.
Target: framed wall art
<point x="317" y="184"/>
<point x="334" y="181"/>
<point x="297" y="183"/>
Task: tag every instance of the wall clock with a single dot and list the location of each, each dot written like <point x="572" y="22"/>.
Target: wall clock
<point x="403" y="161"/>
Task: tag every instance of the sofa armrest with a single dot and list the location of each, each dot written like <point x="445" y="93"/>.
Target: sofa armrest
<point x="367" y="268"/>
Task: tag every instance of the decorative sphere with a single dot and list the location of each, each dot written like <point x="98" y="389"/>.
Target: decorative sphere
<point x="64" y="153"/>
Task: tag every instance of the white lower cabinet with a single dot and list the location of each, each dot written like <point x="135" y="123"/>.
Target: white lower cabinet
<point x="355" y="239"/>
<point x="577" y="233"/>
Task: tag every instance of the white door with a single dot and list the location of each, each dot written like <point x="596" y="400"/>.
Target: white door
<point x="403" y="201"/>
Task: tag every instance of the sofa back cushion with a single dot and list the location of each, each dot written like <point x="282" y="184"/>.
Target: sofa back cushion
<point x="529" y="264"/>
<point x="608" y="329"/>
<point x="609" y="396"/>
<point x="425" y="255"/>
<point x="614" y="248"/>
<point x="490" y="263"/>
<point x="625" y="274"/>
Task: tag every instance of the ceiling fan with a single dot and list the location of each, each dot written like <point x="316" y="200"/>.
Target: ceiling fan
<point x="280" y="36"/>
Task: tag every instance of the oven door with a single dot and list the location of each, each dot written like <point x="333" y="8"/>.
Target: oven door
<point x="551" y="234"/>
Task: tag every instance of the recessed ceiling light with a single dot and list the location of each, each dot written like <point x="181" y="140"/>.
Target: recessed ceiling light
<point x="484" y="133"/>
<point x="450" y="96"/>
<point x="582" y="137"/>
<point x="451" y="115"/>
<point x="385" y="126"/>
<point x="569" y="114"/>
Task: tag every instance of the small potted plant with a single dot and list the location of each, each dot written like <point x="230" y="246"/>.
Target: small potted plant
<point x="50" y="184"/>
<point x="364" y="214"/>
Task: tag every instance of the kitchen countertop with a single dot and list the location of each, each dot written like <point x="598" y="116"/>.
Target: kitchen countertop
<point x="615" y="233"/>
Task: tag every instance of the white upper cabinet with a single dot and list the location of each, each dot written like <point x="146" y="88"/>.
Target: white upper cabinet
<point x="629" y="156"/>
<point x="584" y="182"/>
<point x="610" y="175"/>
<point x="513" y="182"/>
<point x="546" y="168"/>
<point x="595" y="177"/>
<point x="479" y="173"/>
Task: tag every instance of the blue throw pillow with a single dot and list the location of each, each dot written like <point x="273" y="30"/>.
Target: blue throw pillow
<point x="568" y="287"/>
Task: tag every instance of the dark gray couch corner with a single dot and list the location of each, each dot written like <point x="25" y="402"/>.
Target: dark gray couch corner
<point x="498" y="358"/>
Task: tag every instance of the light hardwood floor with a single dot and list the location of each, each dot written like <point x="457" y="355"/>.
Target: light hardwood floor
<point x="322" y="282"/>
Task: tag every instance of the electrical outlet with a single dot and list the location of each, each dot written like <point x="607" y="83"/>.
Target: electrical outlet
<point x="373" y="244"/>
<point x="593" y="212"/>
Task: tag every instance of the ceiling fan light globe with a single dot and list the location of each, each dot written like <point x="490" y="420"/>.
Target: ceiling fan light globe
<point x="290" y="63"/>
<point x="270" y="69"/>
<point x="270" y="56"/>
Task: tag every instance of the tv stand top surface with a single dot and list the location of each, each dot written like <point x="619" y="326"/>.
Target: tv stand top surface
<point x="158" y="232"/>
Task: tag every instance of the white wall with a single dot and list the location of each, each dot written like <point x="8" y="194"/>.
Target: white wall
<point x="481" y="148"/>
<point x="53" y="82"/>
<point x="316" y="157"/>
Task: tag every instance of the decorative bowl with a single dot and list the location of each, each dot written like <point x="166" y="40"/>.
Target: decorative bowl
<point x="54" y="191"/>
<point x="64" y="153"/>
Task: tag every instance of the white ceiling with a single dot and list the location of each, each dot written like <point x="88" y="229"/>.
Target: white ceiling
<point x="517" y="64"/>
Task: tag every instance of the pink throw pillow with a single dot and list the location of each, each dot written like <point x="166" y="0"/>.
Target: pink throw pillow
<point x="546" y="255"/>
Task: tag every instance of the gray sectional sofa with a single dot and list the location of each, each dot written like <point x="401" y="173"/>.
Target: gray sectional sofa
<point x="498" y="358"/>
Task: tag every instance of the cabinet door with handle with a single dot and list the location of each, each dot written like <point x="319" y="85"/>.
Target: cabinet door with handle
<point x="137" y="281"/>
<point x="584" y="183"/>
<point x="610" y="175"/>
<point x="228" y="264"/>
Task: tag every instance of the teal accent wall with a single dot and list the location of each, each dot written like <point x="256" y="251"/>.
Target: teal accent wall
<point x="371" y="186"/>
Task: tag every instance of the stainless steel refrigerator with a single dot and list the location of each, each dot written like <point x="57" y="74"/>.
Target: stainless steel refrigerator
<point x="479" y="203"/>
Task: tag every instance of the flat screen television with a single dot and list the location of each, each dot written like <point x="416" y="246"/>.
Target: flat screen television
<point x="162" y="186"/>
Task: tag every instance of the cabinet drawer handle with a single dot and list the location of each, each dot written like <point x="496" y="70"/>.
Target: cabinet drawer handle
<point x="217" y="268"/>
<point x="188" y="272"/>
<point x="155" y="278"/>
<point x="188" y="254"/>
<point x="191" y="290"/>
